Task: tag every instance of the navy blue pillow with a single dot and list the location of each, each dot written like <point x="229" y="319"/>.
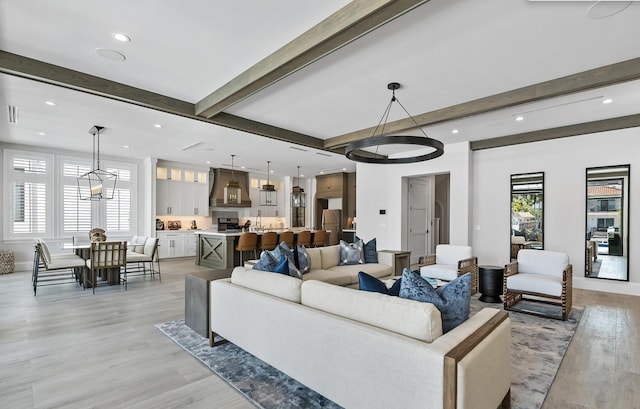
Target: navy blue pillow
<point x="370" y="251"/>
<point x="453" y="300"/>
<point x="282" y="267"/>
<point x="283" y="250"/>
<point x="371" y="283"/>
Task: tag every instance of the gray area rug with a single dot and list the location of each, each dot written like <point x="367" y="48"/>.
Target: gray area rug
<point x="538" y="346"/>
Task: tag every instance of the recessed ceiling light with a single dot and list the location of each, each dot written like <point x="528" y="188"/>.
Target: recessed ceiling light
<point x="51" y="103"/>
<point x="322" y="172"/>
<point x="41" y="133"/>
<point x="271" y="171"/>
<point x="455" y="131"/>
<point x="607" y="101"/>
<point x="519" y="118"/>
<point x="157" y="125"/>
<point x="126" y="146"/>
<point x="344" y="169"/>
<point x="243" y="167"/>
<point x="121" y="37"/>
<point x="208" y="162"/>
<point x="301" y="176"/>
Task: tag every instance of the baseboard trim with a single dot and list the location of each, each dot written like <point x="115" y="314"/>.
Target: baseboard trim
<point x="608" y="286"/>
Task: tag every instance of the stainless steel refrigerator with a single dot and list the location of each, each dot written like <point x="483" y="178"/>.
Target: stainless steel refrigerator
<point x="332" y="220"/>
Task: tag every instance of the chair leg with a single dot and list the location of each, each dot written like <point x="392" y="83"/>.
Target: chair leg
<point x="158" y="261"/>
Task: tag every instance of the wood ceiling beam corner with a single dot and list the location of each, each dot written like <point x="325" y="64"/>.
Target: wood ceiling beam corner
<point x="14" y="64"/>
<point x="611" y="124"/>
<point x="24" y="67"/>
<point x="583" y="81"/>
<point x="344" y="26"/>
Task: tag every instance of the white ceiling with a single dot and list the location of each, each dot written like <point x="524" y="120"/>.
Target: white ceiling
<point x="444" y="52"/>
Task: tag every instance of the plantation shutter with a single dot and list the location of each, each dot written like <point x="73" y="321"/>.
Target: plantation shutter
<point x="76" y="217"/>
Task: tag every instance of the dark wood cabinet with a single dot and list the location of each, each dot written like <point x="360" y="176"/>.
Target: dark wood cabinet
<point x="331" y="186"/>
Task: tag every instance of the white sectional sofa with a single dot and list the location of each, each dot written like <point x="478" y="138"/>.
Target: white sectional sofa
<point x="363" y="349"/>
<point x="324" y="267"/>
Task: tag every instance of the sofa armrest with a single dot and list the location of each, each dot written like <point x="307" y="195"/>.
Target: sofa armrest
<point x="429" y="260"/>
<point x="510" y="269"/>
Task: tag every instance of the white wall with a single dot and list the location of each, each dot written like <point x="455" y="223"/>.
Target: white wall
<point x="563" y="162"/>
<point x="381" y="187"/>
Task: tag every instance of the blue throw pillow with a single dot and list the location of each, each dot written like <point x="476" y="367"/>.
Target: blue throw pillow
<point x="453" y="300"/>
<point x="370" y="251"/>
<point x="282" y="267"/>
<point x="283" y="250"/>
<point x="267" y="262"/>
<point x="373" y="284"/>
<point x="351" y="253"/>
<point x="304" y="260"/>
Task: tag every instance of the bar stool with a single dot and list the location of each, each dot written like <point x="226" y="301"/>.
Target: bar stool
<point x="304" y="238"/>
<point x="247" y="242"/>
<point x="320" y="238"/>
<point x="287" y="237"/>
<point x="268" y="240"/>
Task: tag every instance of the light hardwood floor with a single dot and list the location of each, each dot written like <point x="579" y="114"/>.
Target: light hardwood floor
<point x="67" y="348"/>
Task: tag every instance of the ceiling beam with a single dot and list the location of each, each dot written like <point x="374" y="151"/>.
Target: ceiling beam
<point x="598" y="77"/>
<point x="623" y="122"/>
<point x="14" y="64"/>
<point x="344" y="26"/>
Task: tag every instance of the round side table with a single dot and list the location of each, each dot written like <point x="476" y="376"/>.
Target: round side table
<point x="490" y="282"/>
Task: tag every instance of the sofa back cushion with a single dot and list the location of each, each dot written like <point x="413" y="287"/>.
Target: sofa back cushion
<point x="315" y="257"/>
<point x="278" y="285"/>
<point x="547" y="262"/>
<point x="450" y="254"/>
<point x="330" y="256"/>
<point x="410" y="318"/>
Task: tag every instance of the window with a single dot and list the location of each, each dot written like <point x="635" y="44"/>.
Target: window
<point x="41" y="193"/>
<point x="28" y="180"/>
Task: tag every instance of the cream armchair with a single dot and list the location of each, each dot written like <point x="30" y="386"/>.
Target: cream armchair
<point x="449" y="262"/>
<point x="539" y="273"/>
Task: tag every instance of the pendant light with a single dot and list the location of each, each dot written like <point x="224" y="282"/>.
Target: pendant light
<point x="298" y="197"/>
<point x="97" y="184"/>
<point x="268" y="196"/>
<point x="232" y="192"/>
<point x="355" y="150"/>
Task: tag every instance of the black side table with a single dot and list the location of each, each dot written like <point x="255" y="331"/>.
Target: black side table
<point x="490" y="281"/>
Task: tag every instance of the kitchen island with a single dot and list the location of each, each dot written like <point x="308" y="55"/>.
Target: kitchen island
<point x="216" y="249"/>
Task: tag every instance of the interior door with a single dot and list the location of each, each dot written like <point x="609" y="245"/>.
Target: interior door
<point x="420" y="217"/>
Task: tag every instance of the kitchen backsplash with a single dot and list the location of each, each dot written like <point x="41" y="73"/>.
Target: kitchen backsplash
<point x="202" y="222"/>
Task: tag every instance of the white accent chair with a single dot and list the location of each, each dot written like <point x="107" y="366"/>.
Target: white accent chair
<point x="547" y="275"/>
<point x="49" y="269"/>
<point x="449" y="262"/>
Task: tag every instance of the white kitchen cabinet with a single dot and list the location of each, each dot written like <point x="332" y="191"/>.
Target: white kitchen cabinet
<point x="178" y="243"/>
<point x="182" y="192"/>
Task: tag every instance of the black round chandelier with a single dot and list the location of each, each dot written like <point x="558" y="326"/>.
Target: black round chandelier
<point x="355" y="152"/>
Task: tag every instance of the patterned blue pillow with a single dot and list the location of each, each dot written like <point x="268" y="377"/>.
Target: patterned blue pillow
<point x="283" y="250"/>
<point x="282" y="267"/>
<point x="267" y="262"/>
<point x="351" y="253"/>
<point x="453" y="300"/>
<point x="304" y="260"/>
<point x="373" y="284"/>
<point x="370" y="251"/>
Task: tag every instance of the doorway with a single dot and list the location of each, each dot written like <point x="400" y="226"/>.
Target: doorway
<point x="426" y="219"/>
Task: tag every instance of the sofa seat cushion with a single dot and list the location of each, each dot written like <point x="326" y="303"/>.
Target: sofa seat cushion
<point x="278" y="285"/>
<point x="537" y="283"/>
<point x="413" y="319"/>
<point x="441" y="271"/>
<point x="376" y="270"/>
<point x="542" y="262"/>
<point x="333" y="276"/>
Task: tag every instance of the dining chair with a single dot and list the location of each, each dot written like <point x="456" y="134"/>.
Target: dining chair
<point x="49" y="269"/>
<point x="304" y="238"/>
<point x="247" y="242"/>
<point x="110" y="257"/>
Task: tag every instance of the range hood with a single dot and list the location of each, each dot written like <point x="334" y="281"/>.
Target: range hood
<point x="220" y="179"/>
